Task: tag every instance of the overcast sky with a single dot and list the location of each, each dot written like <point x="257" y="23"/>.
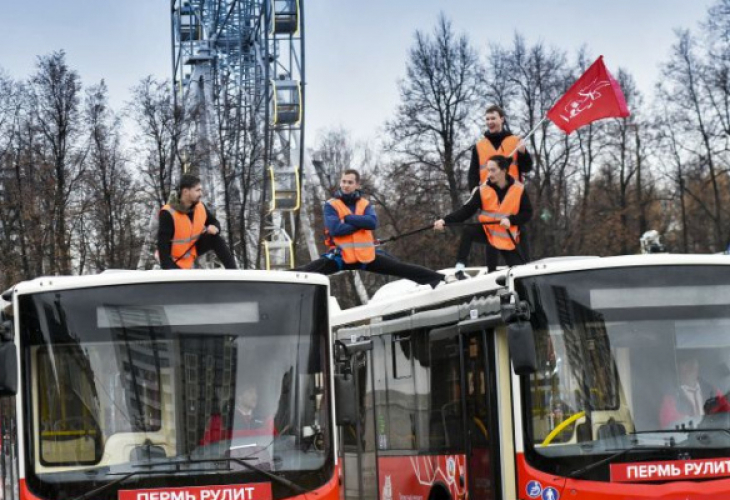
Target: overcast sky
<point x="355" y="51"/>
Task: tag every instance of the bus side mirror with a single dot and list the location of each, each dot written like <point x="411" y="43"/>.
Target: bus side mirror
<point x="521" y="341"/>
<point x="520" y="337"/>
<point x="345" y="387"/>
<point x="8" y="369"/>
<point x="345" y="404"/>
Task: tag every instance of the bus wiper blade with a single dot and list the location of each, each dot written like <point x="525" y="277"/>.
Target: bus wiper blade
<point x="712" y="429"/>
<point x="175" y="462"/>
<point x="108" y="485"/>
<point x="274" y="477"/>
<point x="688" y="430"/>
<point x="613" y="457"/>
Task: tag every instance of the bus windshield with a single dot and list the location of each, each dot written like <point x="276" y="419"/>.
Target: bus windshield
<point x="182" y="376"/>
<point x="627" y="358"/>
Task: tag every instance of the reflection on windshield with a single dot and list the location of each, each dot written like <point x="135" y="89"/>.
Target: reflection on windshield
<point x="618" y="369"/>
<point x="129" y="386"/>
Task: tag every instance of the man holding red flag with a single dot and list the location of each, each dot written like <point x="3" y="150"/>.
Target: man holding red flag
<point x="498" y="140"/>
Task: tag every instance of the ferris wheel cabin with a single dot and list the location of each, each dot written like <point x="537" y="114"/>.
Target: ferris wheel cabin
<point x="286" y="17"/>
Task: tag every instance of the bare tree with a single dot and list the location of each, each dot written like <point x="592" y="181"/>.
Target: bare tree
<point x="622" y="168"/>
<point x="10" y="216"/>
<point x="333" y="153"/>
<point x="439" y="98"/>
<point x="55" y="90"/>
<point x="684" y="87"/>
<point x="112" y="206"/>
<point x="161" y="126"/>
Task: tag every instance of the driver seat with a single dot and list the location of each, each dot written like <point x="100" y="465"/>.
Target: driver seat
<point x="611" y="429"/>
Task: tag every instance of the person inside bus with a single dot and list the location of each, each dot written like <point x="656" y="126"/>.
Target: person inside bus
<point x="693" y="398"/>
<point x="246" y="420"/>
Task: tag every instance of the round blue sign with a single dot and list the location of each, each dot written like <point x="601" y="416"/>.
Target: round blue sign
<point x="550" y="493"/>
<point x="533" y="490"/>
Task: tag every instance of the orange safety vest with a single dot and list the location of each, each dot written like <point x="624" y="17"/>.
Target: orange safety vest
<point x="485" y="150"/>
<point x="493" y="210"/>
<point x="186" y="234"/>
<point x="358" y="246"/>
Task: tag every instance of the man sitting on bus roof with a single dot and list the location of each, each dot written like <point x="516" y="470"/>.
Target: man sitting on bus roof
<point x="350" y="221"/>
<point x="187" y="229"/>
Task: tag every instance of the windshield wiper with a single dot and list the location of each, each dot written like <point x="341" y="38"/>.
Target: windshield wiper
<point x="701" y="434"/>
<point x="689" y="430"/>
<point x="241" y="461"/>
<point x="619" y="454"/>
<point x="108" y="485"/>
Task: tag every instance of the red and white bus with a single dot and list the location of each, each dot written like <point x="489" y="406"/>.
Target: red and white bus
<point x="561" y="379"/>
<point x="110" y="385"/>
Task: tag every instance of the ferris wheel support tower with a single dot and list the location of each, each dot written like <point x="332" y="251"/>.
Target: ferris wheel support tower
<point x="238" y="68"/>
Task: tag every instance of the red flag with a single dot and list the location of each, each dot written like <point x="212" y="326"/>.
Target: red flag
<point x="594" y="96"/>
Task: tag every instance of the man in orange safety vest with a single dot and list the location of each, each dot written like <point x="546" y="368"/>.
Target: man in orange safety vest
<point x="503" y="207"/>
<point x="187" y="229"/>
<point x="349" y="223"/>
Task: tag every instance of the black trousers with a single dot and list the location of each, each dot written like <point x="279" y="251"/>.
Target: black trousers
<point x="208" y="242"/>
<point x="383" y="264"/>
<point x="475" y="234"/>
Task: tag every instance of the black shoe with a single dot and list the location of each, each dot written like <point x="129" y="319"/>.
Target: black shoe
<point x="437" y="282"/>
<point x="461" y="275"/>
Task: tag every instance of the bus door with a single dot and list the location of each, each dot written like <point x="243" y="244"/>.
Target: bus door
<point x="358" y="441"/>
<point x="477" y="350"/>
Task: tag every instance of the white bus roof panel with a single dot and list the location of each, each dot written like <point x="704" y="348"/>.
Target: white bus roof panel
<point x="420" y="296"/>
<point x="551" y="266"/>
<point x="52" y="283"/>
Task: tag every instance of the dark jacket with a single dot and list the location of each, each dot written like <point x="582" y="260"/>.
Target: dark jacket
<point x="524" y="160"/>
<point x="475" y="204"/>
<point x="166" y="230"/>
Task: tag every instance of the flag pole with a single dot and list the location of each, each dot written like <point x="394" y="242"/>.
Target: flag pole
<point x="529" y="134"/>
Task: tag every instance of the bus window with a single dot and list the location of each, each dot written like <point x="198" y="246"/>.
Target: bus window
<point x="443" y="427"/>
<point x="401" y="396"/>
<point x="380" y="389"/>
<point x="69" y="409"/>
<point x="401" y="356"/>
<point x="359" y="439"/>
<point x="572" y="380"/>
<point x="622" y="363"/>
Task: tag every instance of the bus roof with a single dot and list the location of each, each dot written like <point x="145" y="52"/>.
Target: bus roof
<point x="564" y="265"/>
<point x="124" y="277"/>
<point x="402" y="297"/>
<point x="413" y="296"/>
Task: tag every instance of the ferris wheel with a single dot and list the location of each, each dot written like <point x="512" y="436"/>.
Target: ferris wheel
<point x="238" y="68"/>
